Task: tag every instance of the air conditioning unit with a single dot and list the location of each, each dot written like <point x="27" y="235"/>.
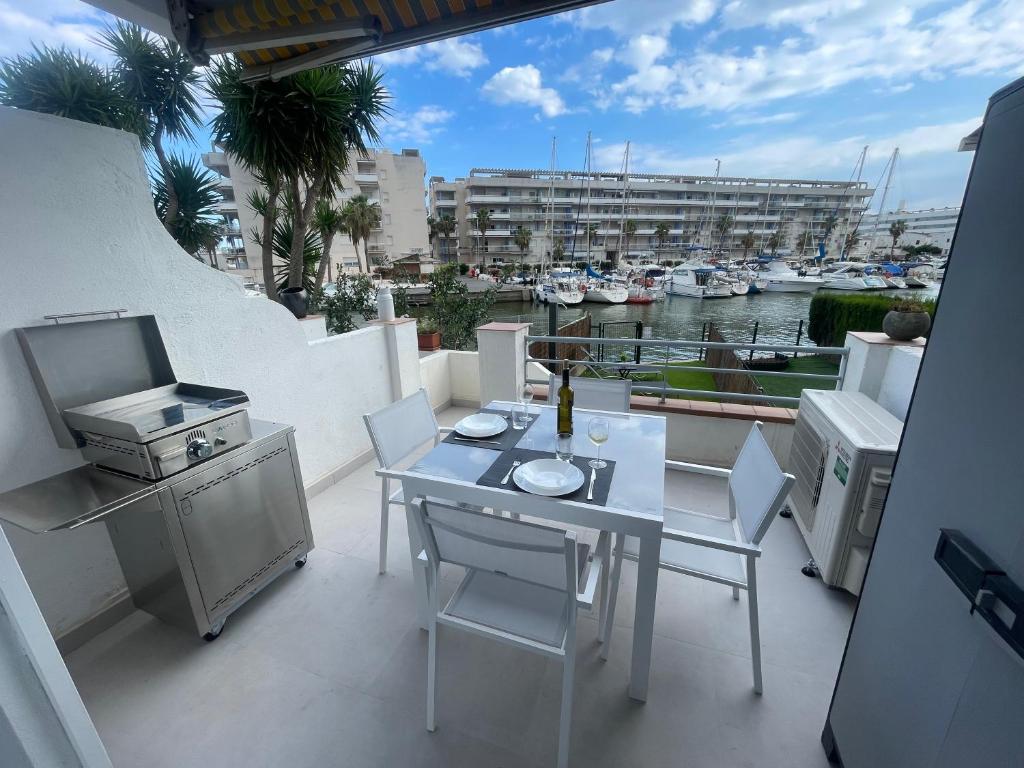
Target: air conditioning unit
<point x="844" y="445"/>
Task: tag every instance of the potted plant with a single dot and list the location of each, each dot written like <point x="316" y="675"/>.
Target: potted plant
<point x="906" y="320"/>
<point x="428" y="335"/>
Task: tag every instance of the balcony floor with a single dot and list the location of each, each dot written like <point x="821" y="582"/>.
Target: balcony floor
<point x="327" y="668"/>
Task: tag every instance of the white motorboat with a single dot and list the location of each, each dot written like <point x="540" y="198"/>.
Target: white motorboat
<point x="605" y="292"/>
<point x="697" y="282"/>
<point x="851" y="276"/>
<point x="558" y="289"/>
<point x="780" y="277"/>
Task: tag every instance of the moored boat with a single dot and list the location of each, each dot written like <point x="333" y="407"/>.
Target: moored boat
<point x="698" y="282"/>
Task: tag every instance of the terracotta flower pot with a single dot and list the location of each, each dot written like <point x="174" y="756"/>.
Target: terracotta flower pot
<point x="904" y="326"/>
<point x="429" y="342"/>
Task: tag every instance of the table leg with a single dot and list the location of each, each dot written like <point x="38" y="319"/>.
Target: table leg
<point x="419" y="571"/>
<point x="643" y="619"/>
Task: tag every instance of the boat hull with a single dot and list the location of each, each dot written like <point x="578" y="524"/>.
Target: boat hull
<point x="601" y="296"/>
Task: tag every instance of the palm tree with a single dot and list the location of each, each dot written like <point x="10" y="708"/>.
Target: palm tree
<point x="483" y="222"/>
<point x="522" y="239"/>
<point x="55" y="81"/>
<point x="851" y="241"/>
<point x="804" y="241"/>
<point x="445" y="226"/>
<point x="628" y="229"/>
<point x="747" y="241"/>
<point x="360" y="217"/>
<point x="296" y="134"/>
<point x="194" y="190"/>
<point x="723" y="226"/>
<point x="160" y="77"/>
<point x="431" y="233"/>
<point x="896" y="230"/>
<point x="776" y="240"/>
<point x="661" y="232"/>
<point x="327" y="221"/>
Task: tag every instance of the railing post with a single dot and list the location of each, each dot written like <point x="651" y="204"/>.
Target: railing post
<point x="799" y="333"/>
<point x="754" y="339"/>
<point x="553" y="331"/>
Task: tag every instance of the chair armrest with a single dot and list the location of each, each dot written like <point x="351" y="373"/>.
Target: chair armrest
<point x="710" y="541"/>
<point x="585" y="597"/>
<point x="389" y="473"/>
<point x="700" y="469"/>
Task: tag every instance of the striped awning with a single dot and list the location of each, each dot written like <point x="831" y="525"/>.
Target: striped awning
<point x="274" y="38"/>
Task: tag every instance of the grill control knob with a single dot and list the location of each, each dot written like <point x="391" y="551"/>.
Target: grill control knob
<point x="199" y="449"/>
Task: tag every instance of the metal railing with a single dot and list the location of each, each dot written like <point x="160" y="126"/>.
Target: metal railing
<point x="671" y="352"/>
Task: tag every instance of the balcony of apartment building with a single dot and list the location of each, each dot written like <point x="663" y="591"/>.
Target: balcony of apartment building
<point x="217" y="162"/>
<point x="366" y="174"/>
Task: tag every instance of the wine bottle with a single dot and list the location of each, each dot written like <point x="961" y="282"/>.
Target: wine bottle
<point x="565" y="397"/>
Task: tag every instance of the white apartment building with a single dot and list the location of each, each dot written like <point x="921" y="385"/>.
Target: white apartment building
<point x="557" y="207"/>
<point x="394" y="180"/>
<point x="932" y="226"/>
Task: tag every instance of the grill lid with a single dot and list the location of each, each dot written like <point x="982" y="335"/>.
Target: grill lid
<point x="75" y="364"/>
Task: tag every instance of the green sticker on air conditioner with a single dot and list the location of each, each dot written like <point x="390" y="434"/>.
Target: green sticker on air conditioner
<point x="841" y="470"/>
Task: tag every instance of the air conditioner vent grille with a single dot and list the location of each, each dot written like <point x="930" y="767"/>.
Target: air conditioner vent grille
<point x="807" y="462"/>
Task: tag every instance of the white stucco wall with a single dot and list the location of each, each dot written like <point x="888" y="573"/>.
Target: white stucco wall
<point x="465" y="377"/>
<point x="437" y="378"/>
<point x="80" y="235"/>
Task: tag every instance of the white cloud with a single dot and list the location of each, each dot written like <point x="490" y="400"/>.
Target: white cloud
<point x="631" y="17"/>
<point x="53" y="23"/>
<point x="799" y="156"/>
<point x="887" y="49"/>
<point x="522" y="85"/>
<point x="454" y="55"/>
<point x="419" y="127"/>
<point x="775" y="119"/>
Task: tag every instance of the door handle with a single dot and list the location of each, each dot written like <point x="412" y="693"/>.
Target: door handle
<point x="992" y="594"/>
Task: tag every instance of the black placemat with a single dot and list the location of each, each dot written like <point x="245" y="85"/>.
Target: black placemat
<point x="492" y="477"/>
<point x="502" y="442"/>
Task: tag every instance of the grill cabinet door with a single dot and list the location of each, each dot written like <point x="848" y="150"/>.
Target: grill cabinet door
<point x="242" y="522"/>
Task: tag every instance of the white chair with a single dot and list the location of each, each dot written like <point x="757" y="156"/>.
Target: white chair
<point x="523" y="585"/>
<point x="395" y="432"/>
<point x="719" y="549"/>
<point x="595" y="394"/>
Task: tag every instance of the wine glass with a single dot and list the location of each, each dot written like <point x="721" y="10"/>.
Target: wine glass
<point x="526" y="396"/>
<point x="597" y="431"/>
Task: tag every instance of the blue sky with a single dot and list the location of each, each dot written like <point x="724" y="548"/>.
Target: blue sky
<point x="789" y="88"/>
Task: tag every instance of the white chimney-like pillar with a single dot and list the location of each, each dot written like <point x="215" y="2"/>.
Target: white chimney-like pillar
<point x="502" y="359"/>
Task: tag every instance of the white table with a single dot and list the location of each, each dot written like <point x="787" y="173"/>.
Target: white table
<point x="634" y="506"/>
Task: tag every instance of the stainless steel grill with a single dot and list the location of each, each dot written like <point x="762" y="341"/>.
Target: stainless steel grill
<point x="204" y="506"/>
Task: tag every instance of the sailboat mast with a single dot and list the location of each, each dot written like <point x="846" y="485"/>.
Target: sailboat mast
<point x="885" y="193"/>
<point x="714" y="202"/>
<point x="551" y="200"/>
<point x="858" y="169"/>
<point x="625" y="196"/>
<point x="590" y="175"/>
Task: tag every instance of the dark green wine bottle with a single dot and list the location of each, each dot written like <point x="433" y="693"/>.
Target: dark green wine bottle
<point x="565" y="397"/>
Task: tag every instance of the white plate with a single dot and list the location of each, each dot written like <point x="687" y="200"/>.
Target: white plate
<point x="548" y="477"/>
<point x="482" y="425"/>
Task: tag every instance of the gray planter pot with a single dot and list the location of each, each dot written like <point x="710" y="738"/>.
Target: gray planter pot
<point x="904" y="326"/>
<point x="296" y="300"/>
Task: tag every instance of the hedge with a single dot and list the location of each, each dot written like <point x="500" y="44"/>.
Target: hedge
<point x="832" y="315"/>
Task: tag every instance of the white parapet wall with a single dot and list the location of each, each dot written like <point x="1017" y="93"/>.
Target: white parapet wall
<point x="80" y="235"/>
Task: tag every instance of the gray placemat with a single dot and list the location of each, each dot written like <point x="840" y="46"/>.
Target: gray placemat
<point x="502" y="442"/>
<point x="492" y="477"/>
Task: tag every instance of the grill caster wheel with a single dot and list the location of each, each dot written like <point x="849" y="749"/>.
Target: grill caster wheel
<point x="810" y="569"/>
<point x="786" y="512"/>
<point x="300" y="562"/>
<point x="214" y="633"/>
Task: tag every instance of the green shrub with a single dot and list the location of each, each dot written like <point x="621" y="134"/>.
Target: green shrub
<point x="463" y="268"/>
<point x="833" y="315"/>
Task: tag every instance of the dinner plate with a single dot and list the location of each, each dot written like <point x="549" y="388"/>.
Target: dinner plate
<point x="548" y="477"/>
<point x="482" y="425"/>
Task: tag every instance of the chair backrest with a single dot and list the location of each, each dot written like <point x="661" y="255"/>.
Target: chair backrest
<point x="396" y="430"/>
<point x="757" y="486"/>
<point x="595" y="394"/>
<point x="525" y="551"/>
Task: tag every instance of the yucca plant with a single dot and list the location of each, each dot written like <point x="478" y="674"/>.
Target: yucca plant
<point x="56" y="81"/>
<point x="196" y="224"/>
<point x="311" y="253"/>
<point x="160" y="78"/>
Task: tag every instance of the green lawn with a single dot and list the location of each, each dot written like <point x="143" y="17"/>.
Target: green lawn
<point x="784" y="386"/>
<point x="681" y="375"/>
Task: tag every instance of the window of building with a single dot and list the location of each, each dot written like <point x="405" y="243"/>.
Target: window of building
<point x="385" y="197"/>
<point x="382" y="174"/>
<point x="387" y="219"/>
